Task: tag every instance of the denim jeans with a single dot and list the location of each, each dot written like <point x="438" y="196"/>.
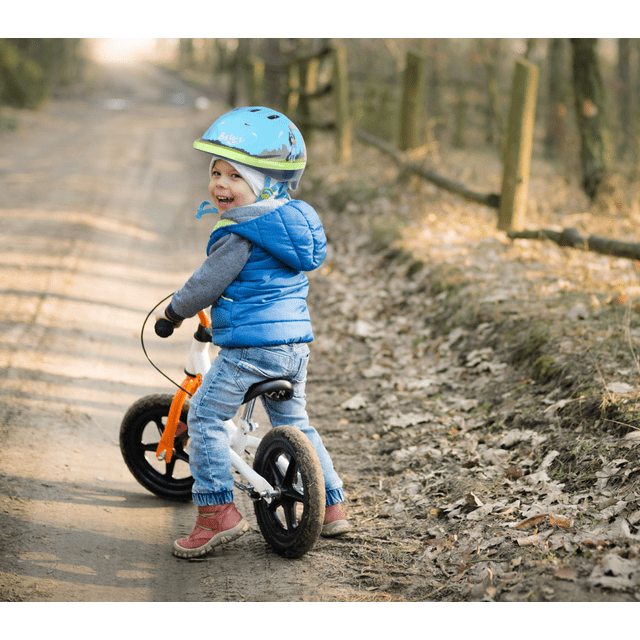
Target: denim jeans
<point x="232" y="372"/>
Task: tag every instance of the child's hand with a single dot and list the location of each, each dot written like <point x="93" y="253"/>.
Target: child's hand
<point x="165" y="324"/>
<point x="164" y="315"/>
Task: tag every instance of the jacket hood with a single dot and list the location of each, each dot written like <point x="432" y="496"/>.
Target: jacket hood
<point x="291" y="232"/>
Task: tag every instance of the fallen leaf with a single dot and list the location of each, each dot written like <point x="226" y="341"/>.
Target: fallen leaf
<point x="512" y="473"/>
<point x="513" y="437"/>
<point x="614" y="572"/>
<point x="362" y="329"/>
<point x="578" y="312"/>
<point x="557" y="405"/>
<point x="559" y="521"/>
<point x="619" y="387"/>
<point x="353" y="404"/>
<point x="534" y="540"/>
<point x="566" y="573"/>
<point x="548" y="459"/>
<point x="409" y="419"/>
<point x="533" y="521"/>
<point x="472" y="500"/>
<point x="375" y="371"/>
<point x="416" y="385"/>
<point x="498" y="457"/>
<point x="493" y="542"/>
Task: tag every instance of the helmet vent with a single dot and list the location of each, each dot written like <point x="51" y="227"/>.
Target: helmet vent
<point x="273" y="117"/>
<point x="254" y="110"/>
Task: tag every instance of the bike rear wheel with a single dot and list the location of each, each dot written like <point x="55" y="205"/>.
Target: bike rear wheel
<point x="140" y="433"/>
<point x="292" y="522"/>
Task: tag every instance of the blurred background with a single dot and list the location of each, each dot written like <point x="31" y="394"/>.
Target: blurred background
<point x="587" y="106"/>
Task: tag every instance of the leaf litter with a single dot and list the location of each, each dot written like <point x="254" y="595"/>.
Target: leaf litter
<point x="481" y="394"/>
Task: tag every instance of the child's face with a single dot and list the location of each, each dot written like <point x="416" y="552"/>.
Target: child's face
<point x="228" y="188"/>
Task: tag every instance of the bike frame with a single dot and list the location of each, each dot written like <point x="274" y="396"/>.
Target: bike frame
<point x="240" y="438"/>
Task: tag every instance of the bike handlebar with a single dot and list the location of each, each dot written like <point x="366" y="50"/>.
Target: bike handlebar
<point x="164" y="328"/>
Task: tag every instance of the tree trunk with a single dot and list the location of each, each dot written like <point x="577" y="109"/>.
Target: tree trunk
<point x="411" y="108"/>
<point x="434" y="87"/>
<point x="556" y="125"/>
<point x="595" y="146"/>
<point x="624" y="97"/>
<point x="186" y="51"/>
<point x="636" y="114"/>
<point x="239" y="72"/>
<point x="490" y="52"/>
<point x="462" y="106"/>
<point x="274" y="88"/>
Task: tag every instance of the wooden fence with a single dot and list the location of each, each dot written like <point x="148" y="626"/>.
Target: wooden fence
<point x="303" y="90"/>
<point x="511" y="202"/>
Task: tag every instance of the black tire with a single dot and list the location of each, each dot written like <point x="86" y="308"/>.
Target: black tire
<point x="140" y="433"/>
<point x="291" y="523"/>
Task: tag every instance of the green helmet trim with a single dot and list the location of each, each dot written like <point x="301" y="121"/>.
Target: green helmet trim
<point x="239" y="156"/>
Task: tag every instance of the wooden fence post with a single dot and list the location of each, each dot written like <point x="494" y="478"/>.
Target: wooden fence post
<point x="341" y="91"/>
<point x="412" y="97"/>
<point x="518" y="147"/>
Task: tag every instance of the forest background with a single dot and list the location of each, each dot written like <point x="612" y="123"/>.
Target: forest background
<point x="587" y="103"/>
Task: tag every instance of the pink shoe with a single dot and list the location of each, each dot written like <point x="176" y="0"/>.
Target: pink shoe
<point x="215" y="525"/>
<point x="335" y="521"/>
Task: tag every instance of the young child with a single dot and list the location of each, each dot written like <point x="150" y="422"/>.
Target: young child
<point x="254" y="280"/>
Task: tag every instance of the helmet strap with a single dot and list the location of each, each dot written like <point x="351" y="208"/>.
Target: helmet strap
<point x="266" y="192"/>
<point x="204" y="208"/>
<point x="278" y="190"/>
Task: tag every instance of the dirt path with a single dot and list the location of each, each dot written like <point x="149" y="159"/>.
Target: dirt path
<point x="470" y="475"/>
<point x="97" y="203"/>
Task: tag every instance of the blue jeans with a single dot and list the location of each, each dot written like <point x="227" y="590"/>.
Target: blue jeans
<point x="232" y="372"/>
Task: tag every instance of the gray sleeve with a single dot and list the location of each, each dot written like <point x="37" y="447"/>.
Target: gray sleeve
<point x="223" y="264"/>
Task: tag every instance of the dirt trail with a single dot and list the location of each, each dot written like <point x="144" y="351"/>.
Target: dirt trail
<point x="98" y="195"/>
<point x="443" y="442"/>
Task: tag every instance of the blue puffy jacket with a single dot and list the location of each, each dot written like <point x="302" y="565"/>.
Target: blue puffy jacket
<point x="266" y="304"/>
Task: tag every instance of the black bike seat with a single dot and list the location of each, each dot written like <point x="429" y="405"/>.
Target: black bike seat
<point x="273" y="389"/>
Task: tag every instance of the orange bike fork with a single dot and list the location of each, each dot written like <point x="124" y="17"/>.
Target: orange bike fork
<point x="165" y="446"/>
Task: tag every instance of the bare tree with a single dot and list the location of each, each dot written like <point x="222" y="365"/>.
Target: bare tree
<point x="556" y="124"/>
<point x="490" y="51"/>
<point x="624" y="97"/>
<point x="593" y="127"/>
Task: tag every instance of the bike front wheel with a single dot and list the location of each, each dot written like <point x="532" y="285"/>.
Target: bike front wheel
<point x="291" y="522"/>
<point x="140" y="432"/>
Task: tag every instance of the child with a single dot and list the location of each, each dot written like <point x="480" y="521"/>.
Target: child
<point x="254" y="280"/>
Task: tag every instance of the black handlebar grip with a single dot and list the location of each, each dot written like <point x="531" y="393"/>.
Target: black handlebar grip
<point x="164" y="328"/>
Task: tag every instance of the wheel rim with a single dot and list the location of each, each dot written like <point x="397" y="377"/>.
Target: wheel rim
<point x="285" y="513"/>
<point x="172" y="476"/>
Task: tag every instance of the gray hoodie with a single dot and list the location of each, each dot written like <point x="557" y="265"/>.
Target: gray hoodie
<point x="226" y="259"/>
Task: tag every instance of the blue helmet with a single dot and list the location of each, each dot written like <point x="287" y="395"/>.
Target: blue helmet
<point x="260" y="138"/>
